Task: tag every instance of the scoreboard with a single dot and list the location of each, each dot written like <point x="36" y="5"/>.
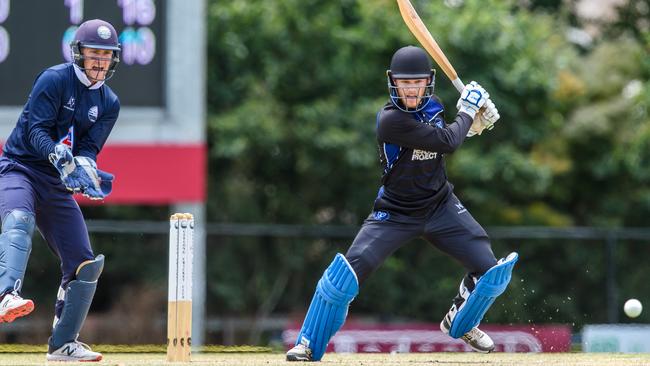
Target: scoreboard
<point x="35" y="34"/>
<point x="162" y="93"/>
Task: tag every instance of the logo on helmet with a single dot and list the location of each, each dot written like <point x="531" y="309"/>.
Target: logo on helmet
<point x="103" y="32"/>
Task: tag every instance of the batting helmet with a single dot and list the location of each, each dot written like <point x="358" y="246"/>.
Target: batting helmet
<point x="410" y="62"/>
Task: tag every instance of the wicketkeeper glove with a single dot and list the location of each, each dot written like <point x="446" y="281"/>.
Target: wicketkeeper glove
<point x="63" y="161"/>
<point x="105" y="185"/>
<point x="80" y="175"/>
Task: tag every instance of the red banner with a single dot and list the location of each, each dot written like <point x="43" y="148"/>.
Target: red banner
<point x="154" y="174"/>
<point x="421" y="337"/>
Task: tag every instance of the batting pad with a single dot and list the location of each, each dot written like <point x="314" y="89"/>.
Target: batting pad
<point x="329" y="307"/>
<point x="489" y="287"/>
<point x="78" y="297"/>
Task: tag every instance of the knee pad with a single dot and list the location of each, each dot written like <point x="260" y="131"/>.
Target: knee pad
<point x="76" y="302"/>
<point x="329" y="306"/>
<point x="90" y="270"/>
<point x="492" y="284"/>
<point x="15" y="247"/>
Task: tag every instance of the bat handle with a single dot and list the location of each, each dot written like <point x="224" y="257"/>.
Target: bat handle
<point x="458" y="84"/>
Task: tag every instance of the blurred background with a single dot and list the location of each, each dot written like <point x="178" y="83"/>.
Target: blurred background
<point x="258" y="117"/>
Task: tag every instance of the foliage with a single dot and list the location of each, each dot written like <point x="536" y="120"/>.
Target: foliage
<point x="633" y="19"/>
<point x="293" y="88"/>
<point x="293" y="91"/>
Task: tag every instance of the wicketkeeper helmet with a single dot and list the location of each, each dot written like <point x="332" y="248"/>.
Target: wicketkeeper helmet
<point x="96" y="34"/>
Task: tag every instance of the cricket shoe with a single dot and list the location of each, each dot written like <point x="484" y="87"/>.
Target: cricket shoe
<point x="13" y="306"/>
<point x="475" y="338"/>
<point x="72" y="352"/>
<point x="299" y="353"/>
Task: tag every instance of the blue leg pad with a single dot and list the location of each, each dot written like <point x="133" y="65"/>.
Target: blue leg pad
<point x="15" y="247"/>
<point x="329" y="307"/>
<point x="492" y="284"/>
<point x="78" y="297"/>
<point x="89" y="271"/>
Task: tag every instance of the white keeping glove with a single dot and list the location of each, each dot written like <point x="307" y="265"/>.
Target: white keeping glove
<point x="472" y="99"/>
<point x="485" y="119"/>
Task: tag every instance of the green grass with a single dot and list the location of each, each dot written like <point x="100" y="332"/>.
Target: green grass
<point x="138" y="348"/>
<point x="419" y="359"/>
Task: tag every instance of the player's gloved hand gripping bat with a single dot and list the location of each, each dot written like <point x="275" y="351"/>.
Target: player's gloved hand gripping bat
<point x="488" y="115"/>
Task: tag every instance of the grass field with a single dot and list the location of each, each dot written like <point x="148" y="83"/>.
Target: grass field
<point x="429" y="359"/>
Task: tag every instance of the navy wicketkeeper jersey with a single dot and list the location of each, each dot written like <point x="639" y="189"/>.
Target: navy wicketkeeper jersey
<point x="411" y="149"/>
<point x="60" y="109"/>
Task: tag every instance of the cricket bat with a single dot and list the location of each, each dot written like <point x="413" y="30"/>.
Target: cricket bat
<point x="420" y="31"/>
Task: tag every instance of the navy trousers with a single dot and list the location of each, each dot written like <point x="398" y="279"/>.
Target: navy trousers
<point x="58" y="217"/>
<point x="449" y="227"/>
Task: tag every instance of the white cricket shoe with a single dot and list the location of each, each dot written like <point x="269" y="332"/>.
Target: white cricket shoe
<point x="74" y="351"/>
<point x="299" y="353"/>
<point x="475" y="338"/>
<point x="13" y="306"/>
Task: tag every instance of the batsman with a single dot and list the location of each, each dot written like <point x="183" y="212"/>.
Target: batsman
<point x="415" y="200"/>
<point x="49" y="156"/>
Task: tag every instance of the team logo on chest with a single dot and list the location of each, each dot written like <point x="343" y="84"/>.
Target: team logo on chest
<point x="423" y="155"/>
<point x="92" y="113"/>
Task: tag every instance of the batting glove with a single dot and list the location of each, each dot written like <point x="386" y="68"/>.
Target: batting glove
<point x="485" y="120"/>
<point x="472" y="99"/>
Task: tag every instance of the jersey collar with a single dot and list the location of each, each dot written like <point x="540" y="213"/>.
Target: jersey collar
<point x="81" y="75"/>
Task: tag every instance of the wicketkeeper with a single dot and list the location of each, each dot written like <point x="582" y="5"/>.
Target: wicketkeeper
<point x="415" y="200"/>
<point x="49" y="156"/>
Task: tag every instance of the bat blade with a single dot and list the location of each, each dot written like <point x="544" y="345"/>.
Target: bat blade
<point x="420" y="31"/>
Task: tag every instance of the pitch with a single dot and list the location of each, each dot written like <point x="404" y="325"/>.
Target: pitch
<point x="428" y="359"/>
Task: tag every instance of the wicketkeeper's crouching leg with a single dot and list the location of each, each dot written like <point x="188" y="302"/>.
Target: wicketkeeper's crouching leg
<point x="77" y="297"/>
<point x="327" y="312"/>
<point x="15" y="247"/>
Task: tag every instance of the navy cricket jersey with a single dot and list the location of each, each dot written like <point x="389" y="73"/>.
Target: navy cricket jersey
<point x="61" y="109"/>
<point x="411" y="149"/>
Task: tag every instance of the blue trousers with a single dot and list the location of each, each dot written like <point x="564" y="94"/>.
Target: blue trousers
<point x="58" y="216"/>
